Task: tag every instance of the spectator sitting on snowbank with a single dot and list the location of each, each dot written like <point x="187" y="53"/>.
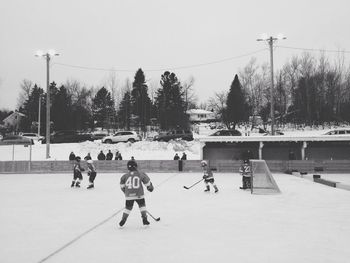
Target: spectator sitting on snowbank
<point x="118" y="156"/>
<point x="87" y="157"/>
<point x="109" y="155"/>
<point x="72" y="156"/>
<point x="101" y="156"/>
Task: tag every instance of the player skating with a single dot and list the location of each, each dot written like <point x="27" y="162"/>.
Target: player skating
<point x="246" y="173"/>
<point x="91" y="173"/>
<point x="208" y="177"/>
<point x="77" y="176"/>
<point x="131" y="185"/>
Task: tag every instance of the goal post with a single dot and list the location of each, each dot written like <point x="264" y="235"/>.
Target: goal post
<point x="262" y="181"/>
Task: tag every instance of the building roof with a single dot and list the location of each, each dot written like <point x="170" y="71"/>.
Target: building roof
<point x="277" y="138"/>
<point x="13" y="114"/>
<point x="198" y="111"/>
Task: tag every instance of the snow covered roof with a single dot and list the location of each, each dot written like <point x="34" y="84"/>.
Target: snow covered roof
<point x="198" y="111"/>
<point x="278" y="138"/>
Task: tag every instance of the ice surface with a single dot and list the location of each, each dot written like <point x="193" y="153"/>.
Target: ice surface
<point x="43" y="219"/>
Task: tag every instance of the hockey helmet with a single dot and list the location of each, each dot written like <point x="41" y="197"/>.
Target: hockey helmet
<point x="204" y="163"/>
<point x="77" y="158"/>
<point x="132" y="165"/>
<point x="246" y="161"/>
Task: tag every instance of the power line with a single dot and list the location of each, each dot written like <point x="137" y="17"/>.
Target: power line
<point x="165" y="68"/>
<point x="315" y="50"/>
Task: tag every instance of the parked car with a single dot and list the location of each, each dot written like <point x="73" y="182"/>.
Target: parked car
<point x="339" y="131"/>
<point x="33" y="136"/>
<point x="173" y="135"/>
<point x="98" y="135"/>
<point x="277" y="132"/>
<point x="122" y="136"/>
<point x="227" y="133"/>
<point x="16" y="139"/>
<point x="68" y="136"/>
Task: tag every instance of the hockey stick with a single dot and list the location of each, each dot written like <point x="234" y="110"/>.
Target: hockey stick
<point x="188" y="187"/>
<point x="155" y="219"/>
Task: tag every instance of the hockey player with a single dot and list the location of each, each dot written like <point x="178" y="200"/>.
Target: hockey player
<point x="131" y="185"/>
<point x="91" y="173"/>
<point x="208" y="177"/>
<point x="77" y="176"/>
<point x="246" y="173"/>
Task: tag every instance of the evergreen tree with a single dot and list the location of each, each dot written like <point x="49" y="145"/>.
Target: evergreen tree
<point x="30" y="108"/>
<point x="103" y="108"/>
<point x="236" y="106"/>
<point x="124" y="113"/>
<point x="170" y="103"/>
<point x="141" y="103"/>
<point x="61" y="113"/>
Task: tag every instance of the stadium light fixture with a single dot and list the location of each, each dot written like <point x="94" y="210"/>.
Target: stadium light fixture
<point x="270" y="40"/>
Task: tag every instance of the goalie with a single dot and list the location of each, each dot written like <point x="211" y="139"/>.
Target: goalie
<point x="245" y="171"/>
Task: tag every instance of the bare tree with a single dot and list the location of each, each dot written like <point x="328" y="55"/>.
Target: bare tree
<point x="190" y="96"/>
<point x="26" y="88"/>
<point x="218" y="103"/>
<point x="111" y="83"/>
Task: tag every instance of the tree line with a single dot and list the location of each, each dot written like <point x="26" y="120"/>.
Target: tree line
<point x="308" y="89"/>
<point x="74" y="106"/>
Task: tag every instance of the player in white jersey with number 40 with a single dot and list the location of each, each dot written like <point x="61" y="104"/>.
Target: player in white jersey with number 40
<point x="131" y="185"/>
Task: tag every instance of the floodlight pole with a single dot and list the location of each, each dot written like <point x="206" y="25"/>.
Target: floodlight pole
<point x="48" y="105"/>
<point x="272" y="109"/>
<point x="270" y="40"/>
<point x="39" y="115"/>
<point x="47" y="56"/>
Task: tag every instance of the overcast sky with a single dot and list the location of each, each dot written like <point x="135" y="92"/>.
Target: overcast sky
<point x="157" y="35"/>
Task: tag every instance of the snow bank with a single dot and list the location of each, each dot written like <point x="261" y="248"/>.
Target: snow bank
<point x="144" y="150"/>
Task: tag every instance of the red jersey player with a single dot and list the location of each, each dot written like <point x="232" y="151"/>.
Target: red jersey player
<point x="131" y="184"/>
<point x="208" y="177"/>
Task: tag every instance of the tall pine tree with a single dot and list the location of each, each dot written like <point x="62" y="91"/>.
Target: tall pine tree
<point x="170" y="103"/>
<point x="236" y="106"/>
<point x="61" y="113"/>
<point x="124" y="113"/>
<point x="141" y="103"/>
<point x="103" y="108"/>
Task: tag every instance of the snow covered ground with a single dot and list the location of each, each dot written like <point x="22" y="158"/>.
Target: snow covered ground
<point x="144" y="150"/>
<point x="43" y="220"/>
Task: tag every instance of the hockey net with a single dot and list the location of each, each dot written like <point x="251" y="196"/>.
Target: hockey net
<point x="262" y="181"/>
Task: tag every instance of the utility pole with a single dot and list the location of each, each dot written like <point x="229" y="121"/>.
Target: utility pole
<point x="270" y="40"/>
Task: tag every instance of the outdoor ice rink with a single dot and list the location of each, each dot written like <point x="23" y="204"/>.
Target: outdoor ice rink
<point x="42" y="219"/>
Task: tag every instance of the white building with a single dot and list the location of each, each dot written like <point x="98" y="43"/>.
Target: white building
<point x="13" y="120"/>
<point x="199" y="115"/>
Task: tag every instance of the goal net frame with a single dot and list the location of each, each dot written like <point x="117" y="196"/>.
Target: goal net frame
<point x="261" y="180"/>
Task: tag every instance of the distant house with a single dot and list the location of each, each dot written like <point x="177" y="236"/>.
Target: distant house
<point x="13" y="120"/>
<point x="199" y="115"/>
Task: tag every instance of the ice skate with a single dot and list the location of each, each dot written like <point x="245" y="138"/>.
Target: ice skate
<point x="145" y="221"/>
<point x="90" y="186"/>
<point x="122" y="222"/>
<point x="72" y="185"/>
<point x="207" y="189"/>
<point x="77" y="184"/>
